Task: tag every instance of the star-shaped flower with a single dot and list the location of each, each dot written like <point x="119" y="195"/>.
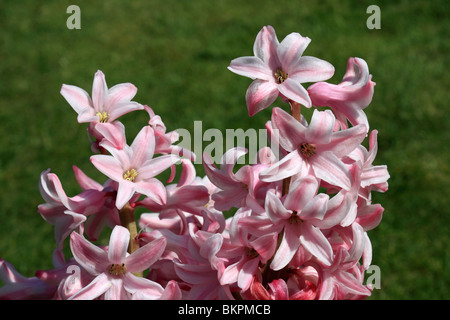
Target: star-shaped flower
<point x="279" y="69"/>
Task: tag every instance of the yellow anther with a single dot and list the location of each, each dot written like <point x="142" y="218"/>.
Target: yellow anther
<point x="130" y="175"/>
<point x="102" y="116"/>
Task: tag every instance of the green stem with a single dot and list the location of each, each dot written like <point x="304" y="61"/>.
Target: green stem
<point x="127" y="220"/>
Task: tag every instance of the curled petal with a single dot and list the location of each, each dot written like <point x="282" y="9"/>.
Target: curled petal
<point x="78" y="98"/>
<point x="118" y="244"/>
<point x="260" y="95"/>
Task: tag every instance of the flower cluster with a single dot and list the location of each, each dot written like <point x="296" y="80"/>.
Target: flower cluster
<point x="300" y="221"/>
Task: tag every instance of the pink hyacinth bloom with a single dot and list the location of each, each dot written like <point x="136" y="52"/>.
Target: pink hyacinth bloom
<point x="113" y="269"/>
<point x="106" y="104"/>
<point x="104" y="108"/>
<point x="164" y="141"/>
<point x="65" y="213"/>
<point x="134" y="168"/>
<point x="348" y="98"/>
<point x="279" y="69"/>
<point x="297" y="216"/>
<point x="105" y="215"/>
<point x="316" y="146"/>
<point x="245" y="252"/>
<point x="372" y="177"/>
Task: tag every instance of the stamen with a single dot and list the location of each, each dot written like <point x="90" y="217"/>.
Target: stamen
<point x="280" y="76"/>
<point x="130" y="175"/>
<point x="117" y="269"/>
<point x="251" y="253"/>
<point x="102" y="116"/>
<point x="307" y="149"/>
<point x="294" y="218"/>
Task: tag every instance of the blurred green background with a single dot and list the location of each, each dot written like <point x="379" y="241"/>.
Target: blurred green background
<point x="177" y="52"/>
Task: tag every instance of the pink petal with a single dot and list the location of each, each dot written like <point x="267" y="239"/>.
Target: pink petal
<point x="125" y="192"/>
<point x="122" y="108"/>
<point x="265" y="47"/>
<point x="247" y="273"/>
<point x="251" y="67"/>
<point x="99" y="91"/>
<point x="78" y="98"/>
<point x="142" y="288"/>
<point x="118" y="244"/>
<point x="155" y="166"/>
<point x="109" y="166"/>
<point x="301" y="191"/>
<point x="172" y="291"/>
<point x="260" y="95"/>
<point x="293" y="90"/>
<point x="114" y="132"/>
<point x="145" y="256"/>
<point x="316" y="243"/>
<point x="153" y="189"/>
<point x="288" y="246"/>
<point x="374" y="175"/>
<point x="292" y="133"/>
<point x="265" y="245"/>
<point x="290" y="165"/>
<point x="93" y="290"/>
<point x="337" y="209"/>
<point x="291" y="49"/>
<point x="345" y="141"/>
<point x="316" y="208"/>
<point x="219" y="178"/>
<point x="329" y="168"/>
<point x="280" y="289"/>
<point x="88" y="255"/>
<point x="84" y="181"/>
<point x="321" y="127"/>
<point x="275" y="209"/>
<point x="369" y="217"/>
<point x="312" y="69"/>
<point x="188" y="173"/>
<point x="123" y="92"/>
<point x="142" y="147"/>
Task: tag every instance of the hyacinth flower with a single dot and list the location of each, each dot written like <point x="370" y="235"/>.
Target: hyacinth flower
<point x="297" y="216"/>
<point x="113" y="269"/>
<point x="134" y="168"/>
<point x="349" y="98"/>
<point x="279" y="69"/>
<point x="65" y="213"/>
<point x="105" y="106"/>
<point x="316" y="146"/>
<point x="105" y="215"/>
<point x="164" y="141"/>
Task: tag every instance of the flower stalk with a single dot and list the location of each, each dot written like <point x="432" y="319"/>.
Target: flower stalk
<point x="127" y="220"/>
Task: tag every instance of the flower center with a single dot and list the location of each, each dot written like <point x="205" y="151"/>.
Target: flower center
<point x="294" y="218"/>
<point x="307" y="149"/>
<point x="102" y="116"/>
<point x="280" y="76"/>
<point x="117" y="269"/>
<point x="251" y="253"/>
<point x="130" y="175"/>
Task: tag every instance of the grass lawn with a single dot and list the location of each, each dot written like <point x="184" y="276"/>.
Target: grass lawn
<point x="177" y="52"/>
